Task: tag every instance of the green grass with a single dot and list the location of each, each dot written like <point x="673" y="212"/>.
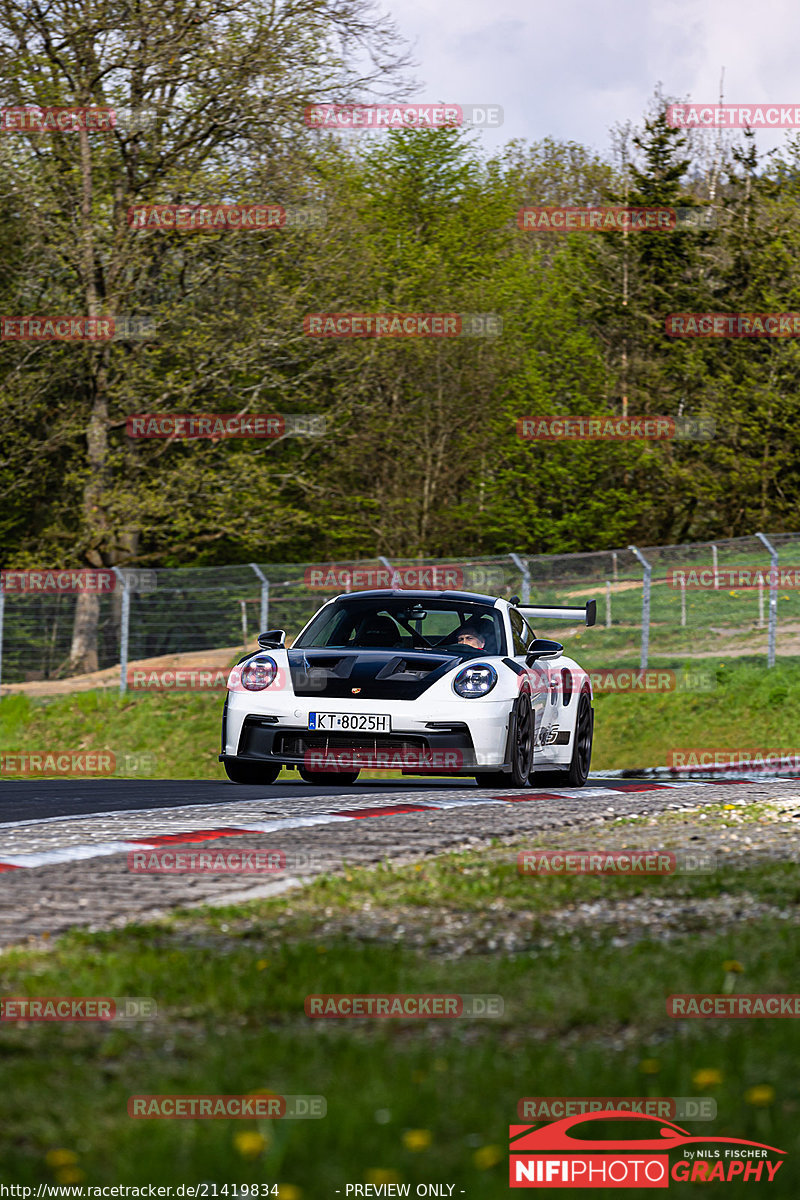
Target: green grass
<point x="582" y="1016"/>
<point x="181" y="731"/>
<point x="747" y="707"/>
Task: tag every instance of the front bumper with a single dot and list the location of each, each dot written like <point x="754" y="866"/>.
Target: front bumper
<point x="436" y="745"/>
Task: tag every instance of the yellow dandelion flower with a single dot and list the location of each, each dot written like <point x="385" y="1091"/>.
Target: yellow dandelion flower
<point x="761" y="1095"/>
<point x="262" y="964"/>
<point x="486" y="1157"/>
<point x="289" y="1191"/>
<point x="417" y="1139"/>
<point x="379" y="1175"/>
<point x="731" y="964"/>
<point x="707" y="1077"/>
<point x="60" y="1158"/>
<point x="249" y="1143"/>
<point x="70" y="1175"/>
<point x="650" y="1066"/>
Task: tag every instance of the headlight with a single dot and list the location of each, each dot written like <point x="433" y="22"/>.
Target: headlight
<point x="259" y="673"/>
<point x="474" y="680"/>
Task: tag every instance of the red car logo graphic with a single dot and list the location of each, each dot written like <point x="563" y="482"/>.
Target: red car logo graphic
<point x="555" y="1156"/>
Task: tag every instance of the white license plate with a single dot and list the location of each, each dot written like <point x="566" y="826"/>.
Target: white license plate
<point x="353" y="722"/>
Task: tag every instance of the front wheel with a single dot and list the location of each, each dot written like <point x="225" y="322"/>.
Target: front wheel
<point x="328" y="778"/>
<point x="251" y="772"/>
<point x="577" y="773"/>
<point x="521" y="746"/>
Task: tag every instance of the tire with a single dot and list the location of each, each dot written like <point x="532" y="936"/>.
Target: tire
<point x="521" y="749"/>
<point x="251" y="772"/>
<point x="328" y="778"/>
<point x="577" y="772"/>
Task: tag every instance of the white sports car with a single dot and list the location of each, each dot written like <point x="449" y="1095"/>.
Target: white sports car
<point x="434" y="683"/>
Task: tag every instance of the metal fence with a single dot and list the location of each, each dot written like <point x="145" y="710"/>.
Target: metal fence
<point x="664" y="605"/>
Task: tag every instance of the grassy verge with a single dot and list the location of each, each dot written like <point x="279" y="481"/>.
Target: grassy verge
<point x="407" y="1101"/>
<point x="749" y="707"/>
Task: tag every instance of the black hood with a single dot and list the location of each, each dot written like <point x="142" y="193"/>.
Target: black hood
<point x="377" y="674"/>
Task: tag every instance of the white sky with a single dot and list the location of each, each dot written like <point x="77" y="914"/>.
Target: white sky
<point x="571" y="69"/>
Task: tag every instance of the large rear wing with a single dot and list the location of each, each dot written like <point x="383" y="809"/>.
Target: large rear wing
<point x="560" y="612"/>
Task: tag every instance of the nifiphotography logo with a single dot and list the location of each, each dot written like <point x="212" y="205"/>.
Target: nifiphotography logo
<point x="563" y="1156"/>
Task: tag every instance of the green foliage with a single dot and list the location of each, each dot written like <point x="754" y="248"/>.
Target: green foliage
<point x="417" y="221"/>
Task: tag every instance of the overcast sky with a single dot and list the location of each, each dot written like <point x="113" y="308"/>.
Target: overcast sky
<point x="570" y="69"/>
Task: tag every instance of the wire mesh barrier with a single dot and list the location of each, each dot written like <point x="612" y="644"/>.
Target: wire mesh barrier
<point x="656" y="606"/>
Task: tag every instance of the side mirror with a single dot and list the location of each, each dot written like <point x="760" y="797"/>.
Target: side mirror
<point x="543" y="648"/>
<point x="273" y="639"/>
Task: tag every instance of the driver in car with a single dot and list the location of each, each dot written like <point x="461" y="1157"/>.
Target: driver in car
<point x="470" y="635"/>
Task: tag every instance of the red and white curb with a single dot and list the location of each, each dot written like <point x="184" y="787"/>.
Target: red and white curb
<point x="67" y="854"/>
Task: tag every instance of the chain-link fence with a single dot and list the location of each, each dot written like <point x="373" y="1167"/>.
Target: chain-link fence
<point x="664" y="605"/>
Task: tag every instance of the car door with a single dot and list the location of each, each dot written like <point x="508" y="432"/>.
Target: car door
<point x="537" y="674"/>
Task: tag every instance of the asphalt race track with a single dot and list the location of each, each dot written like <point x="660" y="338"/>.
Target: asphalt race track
<point x="65" y="847"/>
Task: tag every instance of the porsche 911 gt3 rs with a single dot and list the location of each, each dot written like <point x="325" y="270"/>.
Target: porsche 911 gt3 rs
<point x="426" y="682"/>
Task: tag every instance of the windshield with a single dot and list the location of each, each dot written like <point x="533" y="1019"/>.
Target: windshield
<point x="450" y="626"/>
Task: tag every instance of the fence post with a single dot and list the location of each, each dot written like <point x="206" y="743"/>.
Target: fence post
<point x="608" y="604"/>
<point x="773" y="599"/>
<point x="760" y="599"/>
<point x="264" y="597"/>
<point x="683" y="598"/>
<point x="124" y="625"/>
<point x="614" y="561"/>
<point x="645" y="605"/>
<point x="716" y="566"/>
<point x="525" y="571"/>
